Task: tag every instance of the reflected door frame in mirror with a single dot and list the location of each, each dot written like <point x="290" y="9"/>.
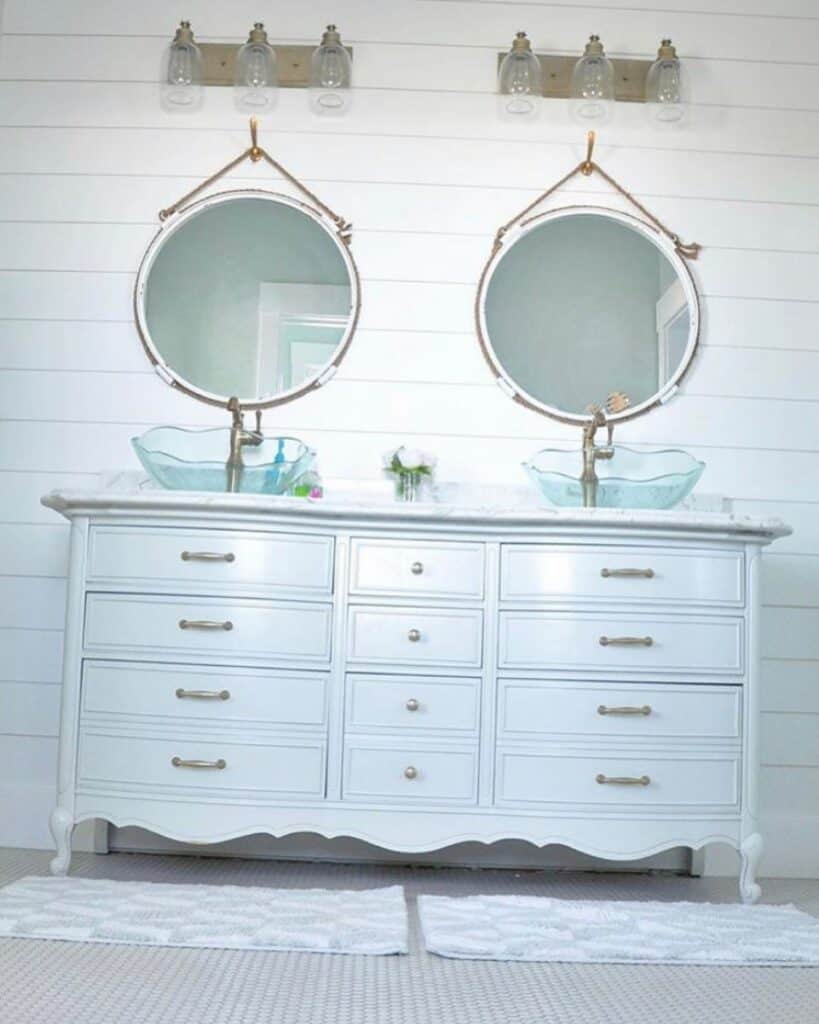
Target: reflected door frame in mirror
<point x="339" y="233"/>
<point x="506" y="240"/>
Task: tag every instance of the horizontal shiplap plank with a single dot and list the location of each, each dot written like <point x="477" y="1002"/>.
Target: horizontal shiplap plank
<point x="392" y="113"/>
<point x="21" y="490"/>
<point x="790" y="740"/>
<point x="398" y="65"/>
<point x="791" y="579"/>
<point x="29" y="709"/>
<point x="790" y="686"/>
<point x="27" y="602"/>
<point x="31" y="655"/>
<point x="33" y="550"/>
<point x="29" y="760"/>
<point x="636" y="28"/>
<point x="790" y="633"/>
<point x="795" y="789"/>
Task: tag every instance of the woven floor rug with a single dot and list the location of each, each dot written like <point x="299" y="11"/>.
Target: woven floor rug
<point x="531" y="928"/>
<point x="372" y="921"/>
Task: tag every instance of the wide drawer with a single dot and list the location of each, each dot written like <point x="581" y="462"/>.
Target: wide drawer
<point x="212" y="559"/>
<point x="410" y="773"/>
<point x="612" y="643"/>
<point x="531" y="572"/>
<point x="416" y="568"/>
<point x="628" y="782"/>
<point x="533" y="708"/>
<point x="109" y="760"/>
<point x="221" y="697"/>
<point x="232" y="629"/>
<point x="415" y="636"/>
<point x="413" y="703"/>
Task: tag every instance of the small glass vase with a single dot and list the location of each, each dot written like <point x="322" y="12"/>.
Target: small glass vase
<point x="408" y="485"/>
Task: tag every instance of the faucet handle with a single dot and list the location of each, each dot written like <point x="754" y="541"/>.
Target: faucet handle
<point x="258" y="421"/>
<point x="235" y="408"/>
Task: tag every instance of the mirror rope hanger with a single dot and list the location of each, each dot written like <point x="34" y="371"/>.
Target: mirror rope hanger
<point x="588" y="167"/>
<point x="255" y="153"/>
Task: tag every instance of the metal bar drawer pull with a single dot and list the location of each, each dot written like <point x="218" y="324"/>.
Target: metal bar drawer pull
<point x="205" y="624"/>
<point x="603" y="709"/>
<point x="207" y="556"/>
<point x="645" y="574"/>
<point x="203" y="694"/>
<point x="623" y="780"/>
<point x="626" y="641"/>
<point x="179" y="762"/>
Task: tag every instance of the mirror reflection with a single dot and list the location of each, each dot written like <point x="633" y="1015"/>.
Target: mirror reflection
<point x="583" y="305"/>
<point x="249" y="296"/>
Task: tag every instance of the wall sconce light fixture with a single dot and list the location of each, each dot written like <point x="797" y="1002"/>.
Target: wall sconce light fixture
<point x="593" y="84"/>
<point x="256" y="70"/>
<point x="331" y="75"/>
<point x="182" y="71"/>
<point x="520" y="81"/>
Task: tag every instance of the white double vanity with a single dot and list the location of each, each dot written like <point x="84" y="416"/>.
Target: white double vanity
<point x="412" y="675"/>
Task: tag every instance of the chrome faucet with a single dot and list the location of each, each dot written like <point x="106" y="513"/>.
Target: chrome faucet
<point x="239" y="437"/>
<point x="593" y="452"/>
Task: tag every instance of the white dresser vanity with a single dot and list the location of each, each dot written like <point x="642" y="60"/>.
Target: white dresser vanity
<point x="411" y="676"/>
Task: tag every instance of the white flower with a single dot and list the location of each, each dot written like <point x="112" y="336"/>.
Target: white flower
<point x="411" y="458"/>
<point x="430" y="460"/>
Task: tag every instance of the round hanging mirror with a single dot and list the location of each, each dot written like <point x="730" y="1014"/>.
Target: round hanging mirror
<point x="582" y="303"/>
<point x="250" y="295"/>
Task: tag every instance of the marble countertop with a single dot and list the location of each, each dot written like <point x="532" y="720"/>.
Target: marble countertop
<point x="498" y="507"/>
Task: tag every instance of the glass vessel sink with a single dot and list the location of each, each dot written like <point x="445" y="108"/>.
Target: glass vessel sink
<point x="631" y="479"/>
<point x="194" y="460"/>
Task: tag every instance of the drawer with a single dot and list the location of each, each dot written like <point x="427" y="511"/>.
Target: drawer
<point x="220" y="697"/>
<point x="413" y="703"/>
<point x="410" y="773"/>
<point x="617" y="711"/>
<point x="215" y="560"/>
<point x="563" y="572"/>
<point x="113" y="760"/>
<point x="694" y="783"/>
<point x="577" y="641"/>
<point x="257" y="629"/>
<point x="406" y="637"/>
<point x="422" y="569"/>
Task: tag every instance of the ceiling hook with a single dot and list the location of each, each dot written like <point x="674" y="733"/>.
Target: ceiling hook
<point x="587" y="166"/>
<point x="255" y="151"/>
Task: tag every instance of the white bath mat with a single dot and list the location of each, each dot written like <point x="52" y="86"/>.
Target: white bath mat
<point x="609" y="931"/>
<point x="372" y="921"/>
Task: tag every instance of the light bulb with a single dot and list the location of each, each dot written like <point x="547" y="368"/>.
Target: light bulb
<point x="664" y="85"/>
<point x="255" y="78"/>
<point x="331" y="73"/>
<point x="520" y="82"/>
<point x="182" y="75"/>
<point x="592" y="93"/>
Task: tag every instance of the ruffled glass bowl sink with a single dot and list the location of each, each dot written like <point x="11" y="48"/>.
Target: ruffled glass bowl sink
<point x="631" y="479"/>
<point x="194" y="460"/>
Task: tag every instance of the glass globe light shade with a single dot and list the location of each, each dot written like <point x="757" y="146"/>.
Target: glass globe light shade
<point x="182" y="72"/>
<point x="331" y="75"/>
<point x="664" y="85"/>
<point x="520" y="82"/>
<point x="592" y="90"/>
<point x="255" y="77"/>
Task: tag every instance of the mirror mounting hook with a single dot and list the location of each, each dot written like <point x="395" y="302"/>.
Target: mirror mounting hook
<point x="587" y="167"/>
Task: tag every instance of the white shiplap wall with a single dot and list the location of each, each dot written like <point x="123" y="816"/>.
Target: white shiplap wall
<point x="426" y="173"/>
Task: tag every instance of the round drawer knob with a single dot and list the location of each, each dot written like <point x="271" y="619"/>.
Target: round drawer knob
<point x="417" y="568"/>
<point x="414" y="635"/>
<point x="410" y="773"/>
<point x="412" y="704"/>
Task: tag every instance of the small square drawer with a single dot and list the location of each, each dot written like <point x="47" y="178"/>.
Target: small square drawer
<point x="415" y="636"/>
<point x="412" y="703"/>
<point x="220" y="697"/>
<point x="536" y="708"/>
<point x="618" y="781"/>
<point x="144" y="763"/>
<point x="411" y="773"/>
<point x="422" y="568"/>
<point x="541" y="572"/>
<point x="207" y="627"/>
<point x="618" y="642"/>
<point x="215" y="560"/>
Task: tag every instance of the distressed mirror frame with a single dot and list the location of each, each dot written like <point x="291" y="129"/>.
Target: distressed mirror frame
<point x="506" y="239"/>
<point x="338" y="232"/>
